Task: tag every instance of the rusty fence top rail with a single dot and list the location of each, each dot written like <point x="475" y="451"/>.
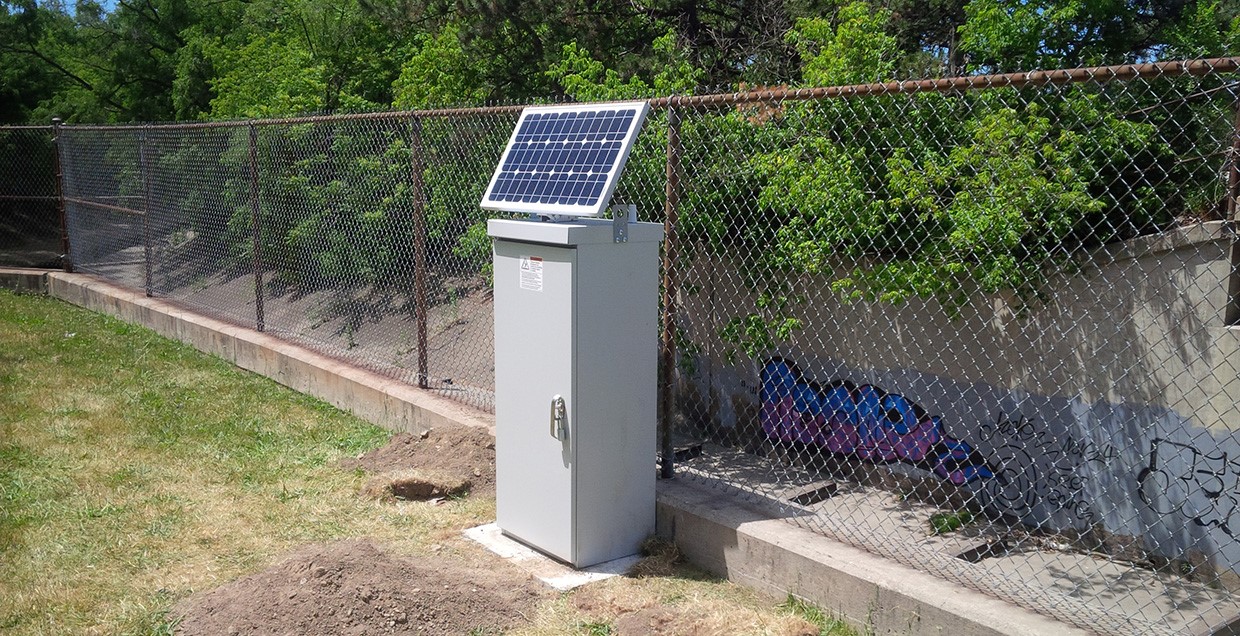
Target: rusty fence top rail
<point x="1096" y="74"/>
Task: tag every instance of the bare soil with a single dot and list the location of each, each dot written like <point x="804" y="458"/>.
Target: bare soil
<point x="630" y="615"/>
<point x="354" y="587"/>
<point x="446" y="456"/>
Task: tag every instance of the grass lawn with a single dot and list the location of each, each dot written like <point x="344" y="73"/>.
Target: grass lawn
<point x="135" y="470"/>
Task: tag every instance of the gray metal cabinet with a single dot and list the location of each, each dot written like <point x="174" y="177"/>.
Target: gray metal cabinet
<point x="575" y="318"/>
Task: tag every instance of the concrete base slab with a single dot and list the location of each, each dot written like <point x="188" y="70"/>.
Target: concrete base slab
<point x="543" y="567"/>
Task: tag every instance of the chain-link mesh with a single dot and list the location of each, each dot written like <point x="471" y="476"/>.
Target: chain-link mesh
<point x="982" y="332"/>
<point x="982" y="327"/>
<point x="29" y="217"/>
<point x="334" y="233"/>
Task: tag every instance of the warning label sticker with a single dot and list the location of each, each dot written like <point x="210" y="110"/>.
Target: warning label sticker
<point x="531" y="273"/>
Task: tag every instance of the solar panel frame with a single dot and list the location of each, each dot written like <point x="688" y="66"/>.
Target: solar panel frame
<point x="560" y="160"/>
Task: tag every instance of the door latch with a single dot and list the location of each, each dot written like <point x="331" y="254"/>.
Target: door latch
<point x="559" y="419"/>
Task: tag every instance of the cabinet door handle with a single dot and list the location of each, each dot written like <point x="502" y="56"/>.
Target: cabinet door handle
<point x="559" y="419"/>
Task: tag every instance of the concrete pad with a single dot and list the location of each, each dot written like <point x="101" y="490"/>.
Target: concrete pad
<point x="1143" y="594"/>
<point x="543" y="567"/>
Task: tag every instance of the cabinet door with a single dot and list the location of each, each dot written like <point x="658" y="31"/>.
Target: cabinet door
<point x="534" y="345"/>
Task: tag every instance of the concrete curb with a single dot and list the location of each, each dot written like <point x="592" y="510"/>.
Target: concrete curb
<point x="718" y="533"/>
<point x="24" y="281"/>
<point x="372" y="397"/>
<point x="714" y="530"/>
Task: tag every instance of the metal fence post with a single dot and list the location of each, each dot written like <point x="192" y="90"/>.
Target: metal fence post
<point x="420" y="303"/>
<point x="668" y="344"/>
<point x="65" y="261"/>
<point x="1232" y="311"/>
<point x="256" y="230"/>
<point x="144" y="174"/>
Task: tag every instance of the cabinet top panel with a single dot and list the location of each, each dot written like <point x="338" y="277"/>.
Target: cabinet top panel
<point x="577" y="232"/>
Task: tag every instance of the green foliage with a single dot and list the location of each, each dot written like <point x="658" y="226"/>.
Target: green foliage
<point x="359" y="227"/>
<point x="929" y="196"/>
<point x="854" y="50"/>
<point x="1011" y="35"/>
<point x="440" y="73"/>
<point x="166" y="59"/>
<point x="755" y="334"/>
<point x="595" y="628"/>
<point x="818" y="186"/>
<point x="1013" y="189"/>
<point x="271" y="75"/>
<point x="885" y="199"/>
<point x="473" y="249"/>
<point x="945" y="522"/>
<point x="1014" y="34"/>
<point x="586" y="79"/>
<point x="1205" y="31"/>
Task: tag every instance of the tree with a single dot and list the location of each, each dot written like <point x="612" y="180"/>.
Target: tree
<point x="1012" y="35"/>
<point x="48" y="43"/>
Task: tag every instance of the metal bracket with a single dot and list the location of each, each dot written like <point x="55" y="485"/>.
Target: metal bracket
<point x="621" y="216"/>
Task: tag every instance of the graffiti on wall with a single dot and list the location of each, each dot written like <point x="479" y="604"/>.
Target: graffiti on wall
<point x="1203" y="487"/>
<point x="1036" y="471"/>
<point x="1037" y="467"/>
<point x="862" y="421"/>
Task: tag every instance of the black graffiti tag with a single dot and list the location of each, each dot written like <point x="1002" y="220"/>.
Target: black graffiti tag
<point x="1036" y="467"/>
<point x="1183" y="480"/>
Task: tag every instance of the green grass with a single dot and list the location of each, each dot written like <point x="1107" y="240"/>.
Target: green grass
<point x="827" y="625"/>
<point x="135" y="470"/>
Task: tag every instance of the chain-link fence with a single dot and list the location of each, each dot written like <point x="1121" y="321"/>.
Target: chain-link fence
<point x="360" y="237"/>
<point x="29" y="216"/>
<point x="981" y="326"/>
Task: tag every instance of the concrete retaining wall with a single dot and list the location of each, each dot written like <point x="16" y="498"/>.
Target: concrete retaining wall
<point x="32" y="281"/>
<point x="372" y="397"/>
<point x="1111" y="406"/>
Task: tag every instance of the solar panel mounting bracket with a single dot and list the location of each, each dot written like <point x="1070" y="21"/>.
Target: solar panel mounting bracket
<point x="621" y="215"/>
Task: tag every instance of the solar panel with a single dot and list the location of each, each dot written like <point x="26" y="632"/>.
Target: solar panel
<point x="565" y="159"/>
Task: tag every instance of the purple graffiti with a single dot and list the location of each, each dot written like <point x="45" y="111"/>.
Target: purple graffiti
<point x="864" y="422"/>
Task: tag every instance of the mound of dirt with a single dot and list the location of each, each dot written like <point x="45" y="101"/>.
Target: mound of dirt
<point x="414" y="485"/>
<point x="354" y="587"/>
<point x="464" y="453"/>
